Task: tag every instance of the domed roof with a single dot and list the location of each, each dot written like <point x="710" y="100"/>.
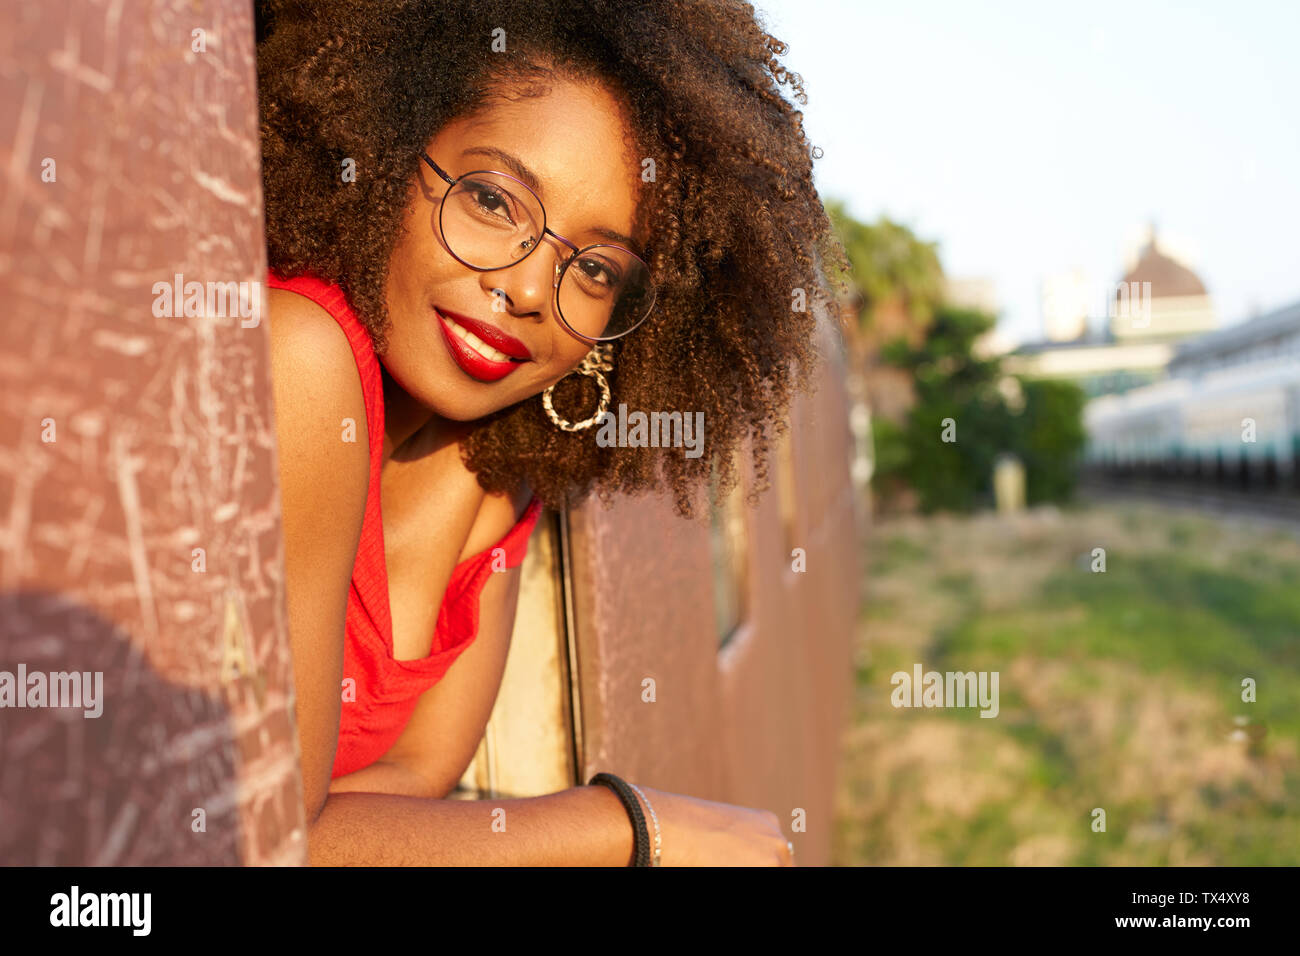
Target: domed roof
<point x="1167" y="276"/>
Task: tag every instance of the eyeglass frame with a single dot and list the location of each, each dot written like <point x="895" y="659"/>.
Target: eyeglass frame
<point x="546" y="230"/>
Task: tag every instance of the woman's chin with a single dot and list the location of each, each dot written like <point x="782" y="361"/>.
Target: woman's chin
<point x="466" y="408"/>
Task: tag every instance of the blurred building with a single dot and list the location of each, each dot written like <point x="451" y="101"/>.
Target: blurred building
<point x="1065" y="306"/>
<point x="1265" y="338"/>
<point x="1157" y="303"/>
<point x="1178" y="305"/>
<point x="1194" y="420"/>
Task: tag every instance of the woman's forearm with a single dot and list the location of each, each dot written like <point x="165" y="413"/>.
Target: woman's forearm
<point x="582" y="826"/>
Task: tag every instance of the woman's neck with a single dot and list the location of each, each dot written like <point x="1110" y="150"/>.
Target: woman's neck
<point x="403" y="416"/>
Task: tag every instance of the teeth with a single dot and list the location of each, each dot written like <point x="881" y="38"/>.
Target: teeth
<point x="477" y="344"/>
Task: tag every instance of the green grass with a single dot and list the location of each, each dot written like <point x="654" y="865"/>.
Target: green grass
<point x="898" y="550"/>
<point x="1120" y="690"/>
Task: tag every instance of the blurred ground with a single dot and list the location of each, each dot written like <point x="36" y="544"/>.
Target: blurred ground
<point x="1119" y="690"/>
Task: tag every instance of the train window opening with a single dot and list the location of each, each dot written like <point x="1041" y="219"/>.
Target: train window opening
<point x="531" y="744"/>
<point x="729" y="550"/>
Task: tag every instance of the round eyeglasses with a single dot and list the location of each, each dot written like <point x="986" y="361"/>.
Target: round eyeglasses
<point x="491" y="220"/>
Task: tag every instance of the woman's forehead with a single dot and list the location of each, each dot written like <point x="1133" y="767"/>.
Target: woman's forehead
<point x="571" y="143"/>
<point x="563" y="118"/>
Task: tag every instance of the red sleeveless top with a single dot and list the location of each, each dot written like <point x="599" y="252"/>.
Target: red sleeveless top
<point x="387" y="690"/>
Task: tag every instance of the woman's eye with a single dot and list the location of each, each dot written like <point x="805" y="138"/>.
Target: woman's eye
<point x="598" y="272"/>
<point x="493" y="202"/>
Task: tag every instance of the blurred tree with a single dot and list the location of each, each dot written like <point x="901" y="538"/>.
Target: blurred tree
<point x="888" y="263"/>
<point x="956" y="397"/>
<point x="945" y="364"/>
<point x="894" y="282"/>
<point x="917" y="356"/>
<point x="1050" y="436"/>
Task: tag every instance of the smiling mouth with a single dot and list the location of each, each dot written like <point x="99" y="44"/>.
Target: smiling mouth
<point x="479" y="359"/>
<point x="474" y="342"/>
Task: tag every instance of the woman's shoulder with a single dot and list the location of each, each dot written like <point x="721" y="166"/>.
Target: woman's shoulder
<point x="313" y="349"/>
<point x="317" y="391"/>
<point x="307" y="315"/>
<point x="327" y="296"/>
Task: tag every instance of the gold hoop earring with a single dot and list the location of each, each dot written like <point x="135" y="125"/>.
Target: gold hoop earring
<point x="599" y="359"/>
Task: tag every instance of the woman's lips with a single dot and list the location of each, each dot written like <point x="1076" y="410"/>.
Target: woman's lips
<point x="467" y="354"/>
<point x="489" y="334"/>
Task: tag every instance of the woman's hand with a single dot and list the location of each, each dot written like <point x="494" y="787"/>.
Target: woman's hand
<point x="698" y="832"/>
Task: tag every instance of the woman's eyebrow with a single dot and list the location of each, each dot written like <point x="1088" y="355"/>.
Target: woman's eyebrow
<point x="528" y="177"/>
<point x="619" y="239"/>
<point x="511" y="162"/>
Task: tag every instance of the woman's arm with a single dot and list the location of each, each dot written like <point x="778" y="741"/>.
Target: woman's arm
<point x="436" y="746"/>
<point x="390" y="813"/>
<point x="444" y="731"/>
<point x="582" y="826"/>
<point x="323" y="483"/>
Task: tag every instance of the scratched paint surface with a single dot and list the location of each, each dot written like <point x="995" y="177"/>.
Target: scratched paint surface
<point x="129" y="440"/>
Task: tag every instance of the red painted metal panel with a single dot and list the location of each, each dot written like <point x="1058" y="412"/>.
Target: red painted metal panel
<point x="139" y="512"/>
<point x="758" y="722"/>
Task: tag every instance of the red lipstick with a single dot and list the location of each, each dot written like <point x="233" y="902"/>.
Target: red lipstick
<point x="489" y="334"/>
<point x="469" y="360"/>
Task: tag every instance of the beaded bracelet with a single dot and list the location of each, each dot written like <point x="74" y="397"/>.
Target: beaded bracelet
<point x="639" y="832"/>
<point x="655" y="819"/>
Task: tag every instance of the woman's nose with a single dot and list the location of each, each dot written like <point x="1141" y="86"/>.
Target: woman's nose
<point x="529" y="285"/>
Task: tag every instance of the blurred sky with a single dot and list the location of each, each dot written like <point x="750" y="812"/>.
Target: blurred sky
<point x="1029" y="138"/>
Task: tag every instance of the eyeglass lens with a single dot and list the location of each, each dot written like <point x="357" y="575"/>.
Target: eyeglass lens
<point x="491" y="222"/>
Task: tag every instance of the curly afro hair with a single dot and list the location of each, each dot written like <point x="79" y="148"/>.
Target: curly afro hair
<point x="739" y="236"/>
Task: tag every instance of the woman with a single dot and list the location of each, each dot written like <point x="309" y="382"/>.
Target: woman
<point x="482" y="219"/>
